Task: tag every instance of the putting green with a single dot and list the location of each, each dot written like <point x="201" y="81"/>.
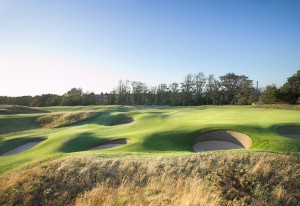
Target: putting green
<point x="155" y="130"/>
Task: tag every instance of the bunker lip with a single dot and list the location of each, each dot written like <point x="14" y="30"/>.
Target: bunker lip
<point x="221" y="140"/>
<point x="110" y="144"/>
<point x="125" y="120"/>
<point x="290" y="131"/>
<point x="22" y="148"/>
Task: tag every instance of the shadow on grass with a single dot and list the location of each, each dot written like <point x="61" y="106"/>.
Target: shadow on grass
<point x="184" y="141"/>
<point x="13" y="143"/>
<point x="105" y="119"/>
<point x="170" y="141"/>
<point x="82" y="142"/>
<point x="275" y="127"/>
<point x="17" y="124"/>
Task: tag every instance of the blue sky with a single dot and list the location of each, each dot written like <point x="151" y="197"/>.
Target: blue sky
<point x="51" y="46"/>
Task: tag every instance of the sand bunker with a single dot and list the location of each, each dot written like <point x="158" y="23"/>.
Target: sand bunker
<point x="126" y="120"/>
<point x="290" y="132"/>
<point x="110" y="144"/>
<point x="222" y="140"/>
<point x="22" y="148"/>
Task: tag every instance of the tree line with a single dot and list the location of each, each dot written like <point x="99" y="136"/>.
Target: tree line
<point x="195" y="89"/>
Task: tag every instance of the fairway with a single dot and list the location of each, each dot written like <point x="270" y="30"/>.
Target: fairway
<point x="89" y="155"/>
<point x="150" y="130"/>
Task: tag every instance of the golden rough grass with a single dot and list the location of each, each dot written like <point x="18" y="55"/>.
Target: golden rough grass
<point x="159" y="191"/>
<point x="63" y="119"/>
<point x="198" y="179"/>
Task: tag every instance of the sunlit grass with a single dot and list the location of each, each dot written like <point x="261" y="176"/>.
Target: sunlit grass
<point x="155" y="130"/>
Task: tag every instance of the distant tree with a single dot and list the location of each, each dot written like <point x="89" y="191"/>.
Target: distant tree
<point x="270" y="95"/>
<point x="152" y="97"/>
<point x="112" y="100"/>
<point x="136" y="92"/>
<point x="88" y="98"/>
<point x="75" y="92"/>
<point x="174" y="93"/>
<point x="123" y="91"/>
<point x="187" y="89"/>
<point x="54" y="100"/>
<point x="231" y="82"/>
<point x="145" y="90"/>
<point x="246" y="94"/>
<point x="23" y="100"/>
<point x="139" y="92"/>
<point x="72" y="98"/>
<point x="5" y="100"/>
<point x="46" y="100"/>
<point x="290" y="91"/>
<point x="213" y="93"/>
<point x="162" y="93"/>
<point x="199" y="82"/>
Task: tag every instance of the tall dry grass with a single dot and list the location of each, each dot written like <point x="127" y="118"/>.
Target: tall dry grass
<point x="200" y="179"/>
<point x="63" y="119"/>
<point x="158" y="191"/>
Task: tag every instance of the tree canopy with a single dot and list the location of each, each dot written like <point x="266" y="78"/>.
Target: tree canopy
<point x="195" y="89"/>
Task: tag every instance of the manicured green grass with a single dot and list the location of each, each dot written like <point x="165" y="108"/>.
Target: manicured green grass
<point x="156" y="130"/>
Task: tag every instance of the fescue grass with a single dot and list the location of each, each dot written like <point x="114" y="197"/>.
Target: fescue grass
<point x="64" y="119"/>
<point x="231" y="178"/>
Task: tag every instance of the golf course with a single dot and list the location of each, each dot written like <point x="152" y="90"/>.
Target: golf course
<point x="104" y="151"/>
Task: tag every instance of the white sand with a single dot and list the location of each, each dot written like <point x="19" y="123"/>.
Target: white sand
<point x="21" y="148"/>
<point x="215" y="145"/>
<point x="293" y="136"/>
<point x="222" y="140"/>
<point x="290" y="131"/>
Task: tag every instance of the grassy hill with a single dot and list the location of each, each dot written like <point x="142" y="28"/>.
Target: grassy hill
<point x="160" y="137"/>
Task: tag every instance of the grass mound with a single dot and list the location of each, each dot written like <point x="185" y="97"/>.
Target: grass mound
<point x="13" y="109"/>
<point x="207" y="179"/>
<point x="222" y="140"/>
<point x="64" y="119"/>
